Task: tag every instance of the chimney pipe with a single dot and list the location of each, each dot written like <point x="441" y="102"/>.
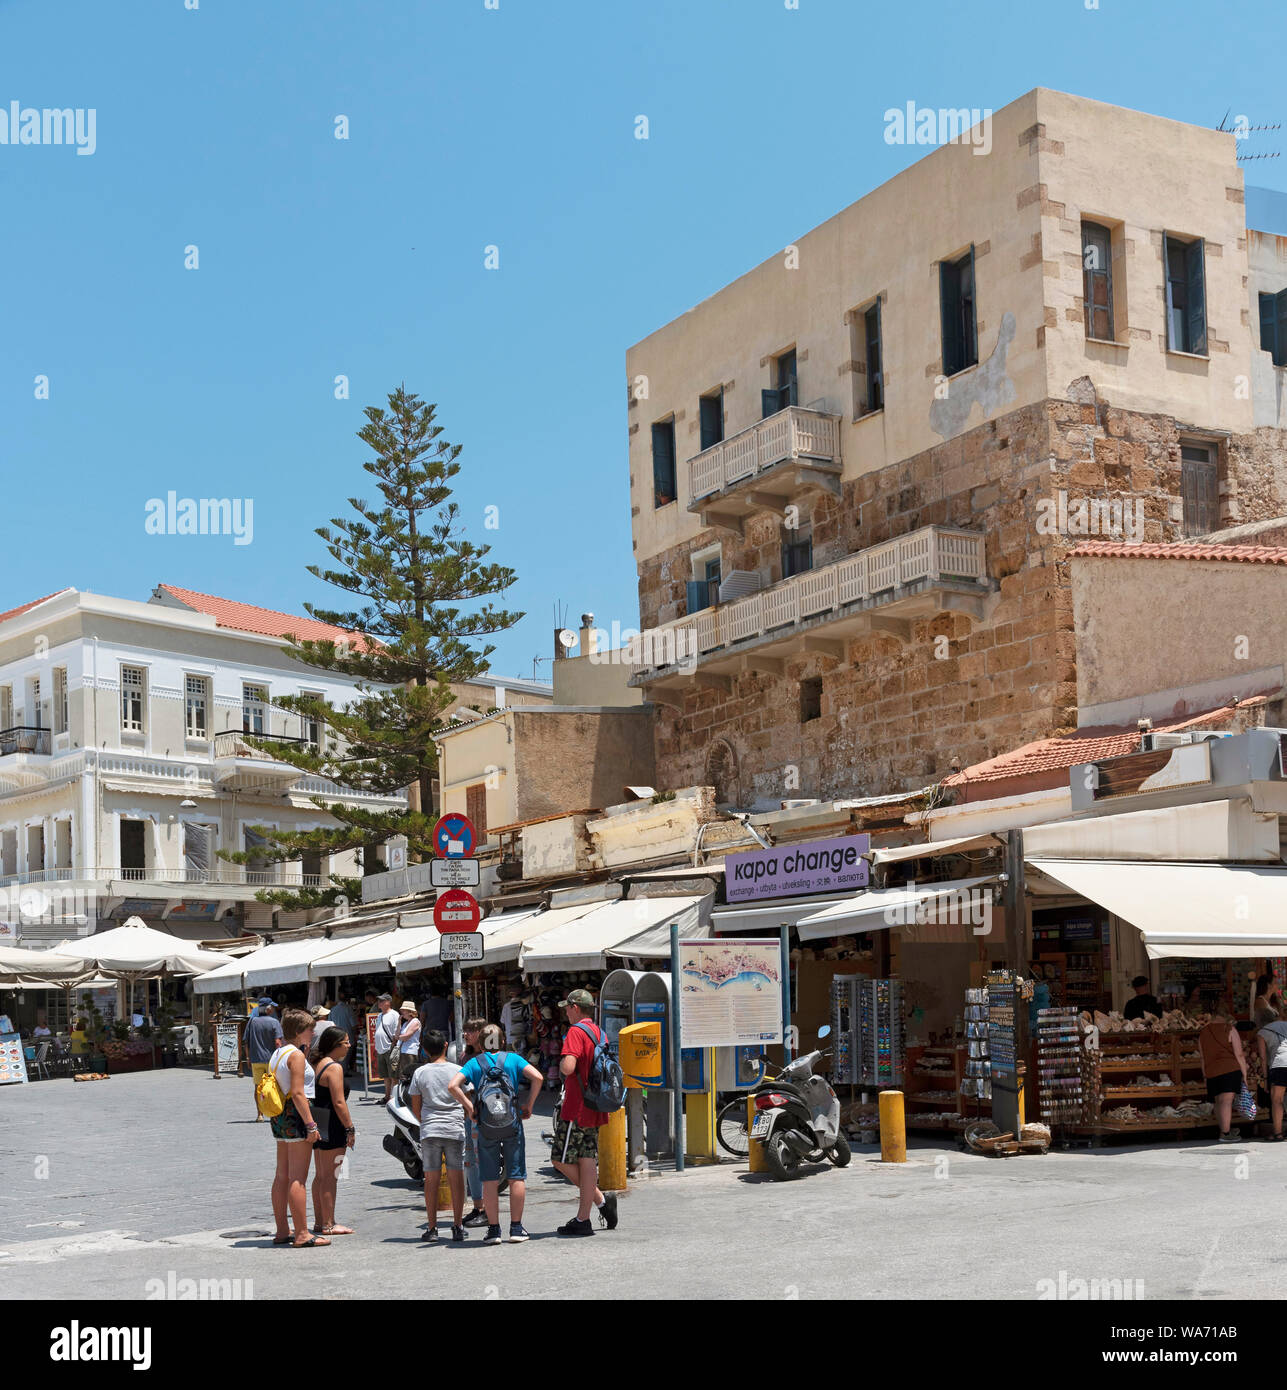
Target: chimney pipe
<point x="588" y="646"/>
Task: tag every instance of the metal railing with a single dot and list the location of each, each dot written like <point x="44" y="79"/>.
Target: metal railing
<point x="931" y="554"/>
<point x="792" y="433"/>
<point x="234" y="743"/>
<point x="273" y="876"/>
<point x="24" y="738"/>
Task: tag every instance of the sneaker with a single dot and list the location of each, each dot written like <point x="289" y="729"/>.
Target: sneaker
<point x="518" y="1233"/>
<point x="1231" y="1137"/>
<point x="576" y="1228"/>
<point x="430" y="1236"/>
<point x="477" y="1217"/>
<point x="608" y="1211"/>
<point x="458" y="1234"/>
<point x="493" y="1236"/>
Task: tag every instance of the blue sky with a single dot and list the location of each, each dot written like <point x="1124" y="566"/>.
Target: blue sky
<point x="469" y="127"/>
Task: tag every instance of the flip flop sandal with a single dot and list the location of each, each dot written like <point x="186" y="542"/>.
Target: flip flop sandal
<point x="312" y="1240"/>
<point x="283" y="1240"/>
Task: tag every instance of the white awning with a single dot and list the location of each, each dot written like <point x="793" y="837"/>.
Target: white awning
<point x="628" y="927"/>
<point x="282" y="963"/>
<point x="1234" y="911"/>
<point x="880" y="909"/>
<point x="370" y="955"/>
<point x="509" y="930"/>
<point x="931" y="849"/>
<point x="424" y="951"/>
<point x="770" y="914"/>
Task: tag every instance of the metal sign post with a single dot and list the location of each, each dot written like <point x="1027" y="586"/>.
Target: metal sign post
<point x="456" y="914"/>
<point x="676" y="1047"/>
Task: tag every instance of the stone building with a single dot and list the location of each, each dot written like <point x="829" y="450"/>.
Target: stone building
<point x="857" y="471"/>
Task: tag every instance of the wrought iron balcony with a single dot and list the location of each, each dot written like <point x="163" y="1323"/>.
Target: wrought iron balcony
<point x="240" y="766"/>
<point x="23" y="738"/>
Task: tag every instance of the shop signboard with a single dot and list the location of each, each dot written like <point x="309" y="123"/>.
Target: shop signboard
<point x="13" y="1065"/>
<point x="787" y="871"/>
<point x="461" y="945"/>
<point x="730" y="992"/>
<point x="372" y="1057"/>
<point x="227" y="1047"/>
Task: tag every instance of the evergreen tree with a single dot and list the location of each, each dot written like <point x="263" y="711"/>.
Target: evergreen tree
<point x="416" y="624"/>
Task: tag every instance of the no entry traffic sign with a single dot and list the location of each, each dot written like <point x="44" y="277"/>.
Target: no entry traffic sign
<point x="454" y="837"/>
<point x="456" y="911"/>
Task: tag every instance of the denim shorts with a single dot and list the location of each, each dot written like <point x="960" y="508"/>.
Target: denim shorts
<point x="433" y="1149"/>
<point x="512" y="1151"/>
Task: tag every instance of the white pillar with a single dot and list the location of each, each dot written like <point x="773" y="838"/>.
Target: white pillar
<point x="83" y="828"/>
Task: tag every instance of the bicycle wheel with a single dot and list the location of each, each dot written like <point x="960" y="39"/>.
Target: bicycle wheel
<point x="731" y="1129"/>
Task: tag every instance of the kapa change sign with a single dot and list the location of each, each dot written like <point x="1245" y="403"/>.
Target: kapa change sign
<point x="817" y="866"/>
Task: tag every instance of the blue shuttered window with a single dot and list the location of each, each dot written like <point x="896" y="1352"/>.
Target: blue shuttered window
<point x="956" y="306"/>
<point x="663" y="463"/>
<point x="1186" y="300"/>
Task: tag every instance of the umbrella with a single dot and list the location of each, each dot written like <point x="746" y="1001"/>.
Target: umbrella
<point x="56" y="968"/>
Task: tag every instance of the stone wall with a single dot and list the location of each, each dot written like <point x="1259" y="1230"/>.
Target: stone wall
<point x="895" y="716"/>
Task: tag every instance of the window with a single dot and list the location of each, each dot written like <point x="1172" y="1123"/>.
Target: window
<point x="1273" y="326"/>
<point x="310" y="868"/>
<point x="311" y="728"/>
<point x="132" y="687"/>
<point x="6" y="707"/>
<point x="810" y="699"/>
<point x="198" y="852"/>
<point x="1186" y="299"/>
<point x="703" y="592"/>
<point x="133" y="849"/>
<point x="1200" y="489"/>
<point x="1097" y="279"/>
<point x="476" y="807"/>
<point x="875" y="369"/>
<point x="956" y="304"/>
<point x="712" y="418"/>
<point x="254" y="709"/>
<point x="663" y="463"/>
<point x="797" y="553"/>
<point x="35" y="714"/>
<point x="60" y="699"/>
<point x="196" y="702"/>
<point x="786" y="386"/>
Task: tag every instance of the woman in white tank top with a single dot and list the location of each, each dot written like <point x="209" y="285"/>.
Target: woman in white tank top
<point x="294" y="1130"/>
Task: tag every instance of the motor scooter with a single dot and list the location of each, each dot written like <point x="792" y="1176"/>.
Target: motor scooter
<point x="797" y="1118"/>
<point x="404" y="1142"/>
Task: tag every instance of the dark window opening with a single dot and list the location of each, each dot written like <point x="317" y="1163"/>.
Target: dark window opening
<point x="1273" y="326"/>
<point x="1097" y="279"/>
<point x="1199" y="489"/>
<point x="133" y="849"/>
<point x="1186" y="300"/>
<point x="875" y="369"/>
<point x="663" y="463"/>
<point x="310" y="866"/>
<point x="786" y="387"/>
<point x="797" y="554"/>
<point x="810" y="699"/>
<point x="712" y="418"/>
<point x="704" y="592"/>
<point x="956" y="303"/>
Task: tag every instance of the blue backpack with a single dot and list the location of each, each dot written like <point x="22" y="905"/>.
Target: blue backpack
<point x="494" y="1108"/>
<point x="604" y="1090"/>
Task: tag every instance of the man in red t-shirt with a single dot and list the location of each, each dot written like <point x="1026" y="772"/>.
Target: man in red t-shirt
<point x="576" y="1130"/>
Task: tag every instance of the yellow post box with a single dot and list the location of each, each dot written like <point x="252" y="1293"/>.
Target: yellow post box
<point x="639" y="1051"/>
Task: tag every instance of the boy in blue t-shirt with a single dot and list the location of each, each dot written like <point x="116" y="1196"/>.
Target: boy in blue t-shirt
<point x="512" y="1151"/>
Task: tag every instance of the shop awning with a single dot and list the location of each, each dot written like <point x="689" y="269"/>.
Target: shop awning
<point x="371" y="955"/>
<point x="932" y="849"/>
<point x="511" y="929"/>
<point x="425" y="952"/>
<point x="880" y="909"/>
<point x="1180" y="909"/>
<point x="628" y="927"/>
<point x="282" y="963"/>
<point x="770" y="914"/>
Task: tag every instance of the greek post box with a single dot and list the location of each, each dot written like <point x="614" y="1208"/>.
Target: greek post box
<point x="617" y="1003"/>
<point x="738" y="1068"/>
<point x="652" y="1005"/>
<point x="639" y="1051"/>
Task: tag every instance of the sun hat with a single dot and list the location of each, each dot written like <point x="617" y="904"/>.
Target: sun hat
<point x="408" y="1008"/>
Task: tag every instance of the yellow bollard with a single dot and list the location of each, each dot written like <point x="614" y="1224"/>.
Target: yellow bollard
<point x="612" y="1153"/>
<point x="444" y="1192"/>
<point x="893" y="1128"/>
<point x="759" y="1164"/>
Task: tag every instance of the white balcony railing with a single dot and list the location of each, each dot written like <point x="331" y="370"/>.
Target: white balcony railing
<point x="790" y="434"/>
<point x="275" y="876"/>
<point x="932" y="553"/>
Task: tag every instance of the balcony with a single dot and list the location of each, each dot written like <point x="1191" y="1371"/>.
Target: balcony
<point x="884" y="589"/>
<point x="223" y="876"/>
<point x="240" y="767"/>
<point x="18" y="746"/>
<point x="767" y="466"/>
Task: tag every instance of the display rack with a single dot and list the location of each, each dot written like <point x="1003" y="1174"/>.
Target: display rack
<point x="881" y="1052"/>
<point x="844" y="1030"/>
<point x="1061" y="1090"/>
<point x="1174" y="1056"/>
<point x="976" y="1084"/>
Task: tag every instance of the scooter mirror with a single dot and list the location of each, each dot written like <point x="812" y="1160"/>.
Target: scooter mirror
<point x="824" y="1031"/>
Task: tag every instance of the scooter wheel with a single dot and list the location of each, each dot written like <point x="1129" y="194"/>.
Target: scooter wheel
<point x="839" y="1153"/>
<point x="415" y="1171"/>
<point x="783" y="1161"/>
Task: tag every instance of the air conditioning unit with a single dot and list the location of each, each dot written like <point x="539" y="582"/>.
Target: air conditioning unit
<point x="1151" y="742"/>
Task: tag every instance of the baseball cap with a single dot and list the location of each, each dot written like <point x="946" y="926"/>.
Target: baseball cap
<point x="320" y="1011"/>
<point x="582" y="998"/>
<point x="267" y="999"/>
<point x="389" y="997"/>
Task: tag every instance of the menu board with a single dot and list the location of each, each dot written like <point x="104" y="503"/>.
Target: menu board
<point x="13" y="1065"/>
<point x="227" y="1046"/>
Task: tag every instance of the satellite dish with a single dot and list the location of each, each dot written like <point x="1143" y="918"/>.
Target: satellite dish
<point x="567" y="638"/>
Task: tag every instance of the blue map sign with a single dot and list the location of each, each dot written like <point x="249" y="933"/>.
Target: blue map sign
<point x="454" y="836"/>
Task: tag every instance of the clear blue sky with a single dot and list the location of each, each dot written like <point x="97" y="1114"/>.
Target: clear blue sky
<point x="469" y="127"/>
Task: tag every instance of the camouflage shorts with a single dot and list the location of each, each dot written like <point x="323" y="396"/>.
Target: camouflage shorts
<point x="572" y="1142"/>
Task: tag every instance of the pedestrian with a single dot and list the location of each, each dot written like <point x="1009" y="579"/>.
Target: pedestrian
<point x="295" y="1131"/>
<point x="1272" y="1042"/>
<point x="261" y="1038"/>
<point x="1224" y="1067"/>
<point x="496" y="1078"/>
<point x="408" y="1040"/>
<point x="336" y="1131"/>
<point x="1266" y="1005"/>
<point x="436" y="1013"/>
<point x="576" y="1130"/>
<point x="473" y="1031"/>
<point x="387" y="1028"/>
<point x="342" y="1016"/>
<point x="516" y="1019"/>
<point x="1143" y="1001"/>
<point x="442" y="1133"/>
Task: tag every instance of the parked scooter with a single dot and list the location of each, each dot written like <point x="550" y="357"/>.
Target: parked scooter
<point x="798" y="1118"/>
<point x="404" y="1142"/>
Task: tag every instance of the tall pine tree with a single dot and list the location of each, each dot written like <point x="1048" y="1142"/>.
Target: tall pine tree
<point x="418" y="626"/>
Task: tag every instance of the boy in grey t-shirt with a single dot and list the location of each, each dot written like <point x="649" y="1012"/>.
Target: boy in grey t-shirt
<point x="442" y="1134"/>
<point x="1273" y="1055"/>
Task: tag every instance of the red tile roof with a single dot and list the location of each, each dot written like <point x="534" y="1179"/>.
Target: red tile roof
<point x="23" y="608"/>
<point x="246" y="617"/>
<point x="1128" y="550"/>
<point x="1051" y="755"/>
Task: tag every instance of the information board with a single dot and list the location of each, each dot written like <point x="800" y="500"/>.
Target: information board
<point x="461" y="945"/>
<point x="730" y="992"/>
<point x="13" y="1065"/>
<point x="227" y="1047"/>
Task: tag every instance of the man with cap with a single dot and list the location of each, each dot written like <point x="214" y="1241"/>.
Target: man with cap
<point x="262" y="1037"/>
<point x="575" y="1150"/>
<point x="387" y="1028"/>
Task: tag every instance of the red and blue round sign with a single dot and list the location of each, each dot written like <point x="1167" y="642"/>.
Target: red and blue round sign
<point x="454" y="837"/>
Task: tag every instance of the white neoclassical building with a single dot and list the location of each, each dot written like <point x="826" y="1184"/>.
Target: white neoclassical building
<point x="123" y="771"/>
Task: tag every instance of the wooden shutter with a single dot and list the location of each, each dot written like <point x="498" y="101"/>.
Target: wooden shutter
<point x="1196" y="309"/>
<point x="1268" y="324"/>
<point x="712" y="408"/>
<point x="476" y="808"/>
<point x="663" y="463"/>
<point x="1200" y="491"/>
<point x="949" y="296"/>
<point x="770" y="403"/>
<point x="1280" y="329"/>
<point x="698" y="590"/>
<point x="875" y="359"/>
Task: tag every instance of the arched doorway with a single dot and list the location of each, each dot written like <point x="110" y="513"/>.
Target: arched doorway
<point x="721" y="772"/>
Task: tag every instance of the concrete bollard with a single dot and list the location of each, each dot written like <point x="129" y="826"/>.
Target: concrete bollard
<point x="759" y="1164"/>
<point x="893" y="1128"/>
<point x="612" y="1153"/>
